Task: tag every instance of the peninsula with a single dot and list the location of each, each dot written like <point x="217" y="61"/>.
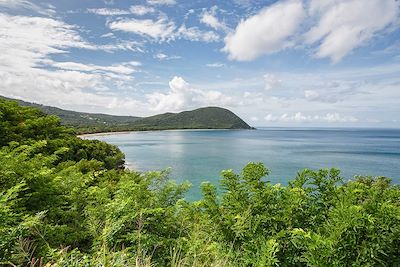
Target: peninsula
<point x="201" y="118"/>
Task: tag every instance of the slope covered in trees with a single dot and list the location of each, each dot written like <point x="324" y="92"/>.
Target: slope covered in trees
<point x="70" y="202"/>
<point x="202" y="118"/>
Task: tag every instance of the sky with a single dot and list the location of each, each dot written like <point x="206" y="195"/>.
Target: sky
<point x="299" y="63"/>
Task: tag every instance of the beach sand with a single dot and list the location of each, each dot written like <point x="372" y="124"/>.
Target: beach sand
<point x="103" y="134"/>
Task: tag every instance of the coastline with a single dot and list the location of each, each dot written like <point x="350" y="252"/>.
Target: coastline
<point x="163" y="130"/>
<point x="104" y="133"/>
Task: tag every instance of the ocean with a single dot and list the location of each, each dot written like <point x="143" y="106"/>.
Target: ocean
<point x="200" y="155"/>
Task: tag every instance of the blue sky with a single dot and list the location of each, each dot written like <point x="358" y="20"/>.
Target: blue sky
<point x="274" y="63"/>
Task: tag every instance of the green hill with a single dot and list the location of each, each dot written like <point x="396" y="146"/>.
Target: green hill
<point x="202" y="118"/>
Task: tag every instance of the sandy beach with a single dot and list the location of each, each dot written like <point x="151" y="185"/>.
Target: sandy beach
<point x="103" y="134"/>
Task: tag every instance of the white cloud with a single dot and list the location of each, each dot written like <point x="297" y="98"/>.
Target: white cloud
<point x="124" y="68"/>
<point x="161" y="29"/>
<point x="266" y="32"/>
<point x="108" y="35"/>
<point x="26" y="41"/>
<point x="24" y="4"/>
<point x="161" y="2"/>
<point x="182" y="95"/>
<point x="120" y="45"/>
<point x="333" y="91"/>
<point x="141" y="10"/>
<point x="162" y="56"/>
<point x="347" y="24"/>
<point x="271" y="81"/>
<point x="209" y="18"/>
<point x="108" y="11"/>
<point x="216" y="65"/>
<point x="333" y="28"/>
<point x="28" y="71"/>
<point x="195" y="34"/>
<point x="299" y="117"/>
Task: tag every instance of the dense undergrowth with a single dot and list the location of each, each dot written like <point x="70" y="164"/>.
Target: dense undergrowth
<point x="70" y="202"/>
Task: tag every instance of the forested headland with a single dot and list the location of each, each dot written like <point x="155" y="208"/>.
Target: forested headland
<point x="65" y="201"/>
<point x="86" y="123"/>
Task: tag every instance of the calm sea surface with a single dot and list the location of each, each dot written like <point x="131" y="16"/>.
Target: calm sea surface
<point x="200" y="155"/>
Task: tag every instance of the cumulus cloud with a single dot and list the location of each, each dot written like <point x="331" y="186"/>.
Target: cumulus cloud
<point x="300" y="117"/>
<point x="266" y="32"/>
<point x="347" y="24"/>
<point x="333" y="28"/>
<point x="182" y="95"/>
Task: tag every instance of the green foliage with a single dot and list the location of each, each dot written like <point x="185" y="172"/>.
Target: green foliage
<point x="318" y="220"/>
<point x="70" y="202"/>
<point x="203" y="118"/>
<point x="22" y="124"/>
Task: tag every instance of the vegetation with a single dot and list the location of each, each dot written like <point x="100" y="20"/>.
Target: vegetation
<point x="69" y="202"/>
<point x="203" y="118"/>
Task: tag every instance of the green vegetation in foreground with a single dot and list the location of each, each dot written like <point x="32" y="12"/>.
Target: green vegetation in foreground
<point x="202" y="118"/>
<point x="69" y="202"/>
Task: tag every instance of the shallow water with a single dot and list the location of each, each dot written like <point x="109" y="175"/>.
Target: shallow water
<point x="200" y="155"/>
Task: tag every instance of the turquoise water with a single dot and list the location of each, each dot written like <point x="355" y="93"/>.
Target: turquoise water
<point x="200" y="155"/>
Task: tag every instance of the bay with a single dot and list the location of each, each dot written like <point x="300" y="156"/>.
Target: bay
<point x="200" y="155"/>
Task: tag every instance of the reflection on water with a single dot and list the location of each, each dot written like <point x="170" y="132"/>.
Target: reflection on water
<point x="200" y="155"/>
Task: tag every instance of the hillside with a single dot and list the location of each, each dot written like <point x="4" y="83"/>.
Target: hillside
<point x="202" y="118"/>
<point x="82" y="121"/>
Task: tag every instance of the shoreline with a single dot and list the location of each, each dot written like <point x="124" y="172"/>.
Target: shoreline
<point x="104" y="133"/>
<point x="161" y="130"/>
